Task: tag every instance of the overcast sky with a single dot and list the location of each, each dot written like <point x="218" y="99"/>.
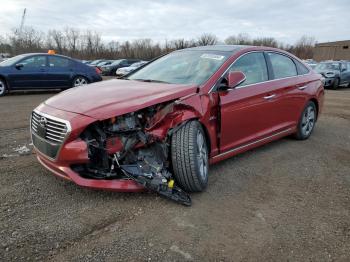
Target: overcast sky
<point x="161" y="19"/>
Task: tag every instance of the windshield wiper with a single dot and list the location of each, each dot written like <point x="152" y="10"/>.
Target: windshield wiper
<point x="152" y="81"/>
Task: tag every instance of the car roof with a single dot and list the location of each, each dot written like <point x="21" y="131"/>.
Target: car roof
<point x="223" y="48"/>
<point x="32" y="54"/>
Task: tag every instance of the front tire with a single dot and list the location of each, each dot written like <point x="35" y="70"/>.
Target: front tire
<point x="189" y="156"/>
<point x="335" y="84"/>
<point x="79" y="81"/>
<point x="307" y="121"/>
<point x="3" y="87"/>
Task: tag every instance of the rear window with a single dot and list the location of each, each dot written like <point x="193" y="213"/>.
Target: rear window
<point x="56" y="61"/>
<point x="282" y="66"/>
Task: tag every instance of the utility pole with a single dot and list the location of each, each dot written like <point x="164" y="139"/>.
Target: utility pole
<point x="22" y="22"/>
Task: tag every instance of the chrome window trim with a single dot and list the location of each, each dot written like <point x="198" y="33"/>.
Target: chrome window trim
<point x="69" y="129"/>
<point x="253" y="143"/>
<point x="262" y="51"/>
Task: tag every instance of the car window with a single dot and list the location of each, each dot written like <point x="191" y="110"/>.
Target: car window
<point x="344" y="67"/>
<point x="55" y="61"/>
<point x="34" y="62"/>
<point x="302" y="69"/>
<point x="282" y="65"/>
<point x="11" y="61"/>
<point x="253" y="65"/>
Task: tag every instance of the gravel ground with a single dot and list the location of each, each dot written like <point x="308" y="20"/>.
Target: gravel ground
<point x="286" y="201"/>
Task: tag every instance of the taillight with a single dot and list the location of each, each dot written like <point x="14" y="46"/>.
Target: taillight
<point x="98" y="71"/>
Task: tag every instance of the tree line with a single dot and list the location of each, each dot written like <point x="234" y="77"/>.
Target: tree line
<point x="89" y="44"/>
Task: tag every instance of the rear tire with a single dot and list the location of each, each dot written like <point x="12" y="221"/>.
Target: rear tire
<point x="79" y="81"/>
<point x="189" y="156"/>
<point x="307" y="121"/>
<point x="3" y="87"/>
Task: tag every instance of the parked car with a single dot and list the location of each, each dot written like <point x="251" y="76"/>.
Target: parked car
<point x="86" y="62"/>
<point x="311" y="63"/>
<point x="95" y="62"/>
<point x="336" y="73"/>
<point x="35" y="71"/>
<point x="111" y="69"/>
<point x="126" y="70"/>
<point x="166" y="122"/>
<point x="105" y="62"/>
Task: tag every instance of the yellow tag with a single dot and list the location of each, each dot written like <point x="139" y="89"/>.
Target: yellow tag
<point x="171" y="183"/>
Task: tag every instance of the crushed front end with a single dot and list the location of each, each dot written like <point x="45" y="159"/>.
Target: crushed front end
<point x="127" y="153"/>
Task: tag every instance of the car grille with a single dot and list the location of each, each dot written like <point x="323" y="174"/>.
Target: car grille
<point x="48" y="133"/>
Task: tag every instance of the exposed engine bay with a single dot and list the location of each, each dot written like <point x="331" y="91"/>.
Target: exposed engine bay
<point x="124" y="148"/>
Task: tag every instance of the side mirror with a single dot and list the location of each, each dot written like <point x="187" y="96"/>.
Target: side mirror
<point x="234" y="78"/>
<point x="343" y="69"/>
<point x="19" y="66"/>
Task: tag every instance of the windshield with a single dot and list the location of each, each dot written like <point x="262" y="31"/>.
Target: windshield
<point x="327" y="66"/>
<point x="12" y="60"/>
<point x="184" y="67"/>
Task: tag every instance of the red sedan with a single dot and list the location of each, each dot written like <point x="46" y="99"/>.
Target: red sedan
<point x="167" y="121"/>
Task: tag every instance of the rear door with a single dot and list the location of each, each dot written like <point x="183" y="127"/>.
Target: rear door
<point x="251" y="110"/>
<point x="60" y="72"/>
<point x="293" y="87"/>
<point x="30" y="74"/>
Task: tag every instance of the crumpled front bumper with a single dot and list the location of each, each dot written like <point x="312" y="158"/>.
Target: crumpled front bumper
<point x="65" y="172"/>
<point x="75" y="151"/>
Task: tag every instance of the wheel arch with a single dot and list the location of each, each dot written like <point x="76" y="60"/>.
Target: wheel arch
<point x="207" y="136"/>
<point x="206" y="132"/>
<point x="315" y="101"/>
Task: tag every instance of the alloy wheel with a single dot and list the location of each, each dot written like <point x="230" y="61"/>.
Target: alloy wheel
<point x="2" y="87"/>
<point x="79" y="81"/>
<point x="308" y="120"/>
<point x="202" y="156"/>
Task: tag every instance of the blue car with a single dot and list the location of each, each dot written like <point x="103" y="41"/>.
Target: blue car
<point x="44" y="71"/>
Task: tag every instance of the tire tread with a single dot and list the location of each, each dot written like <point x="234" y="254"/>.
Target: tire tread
<point x="183" y="156"/>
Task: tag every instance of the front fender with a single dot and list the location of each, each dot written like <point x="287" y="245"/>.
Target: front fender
<point x="175" y="113"/>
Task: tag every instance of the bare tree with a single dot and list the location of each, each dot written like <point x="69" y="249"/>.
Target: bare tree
<point x="27" y="39"/>
<point x="57" y="38"/>
<point x="89" y="44"/>
<point x="207" y="39"/>
<point x="72" y="37"/>
<point x="240" y="39"/>
<point x="304" y="47"/>
<point x="265" y="41"/>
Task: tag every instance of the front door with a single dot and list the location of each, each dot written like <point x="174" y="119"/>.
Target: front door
<point x="250" y="111"/>
<point x="29" y="73"/>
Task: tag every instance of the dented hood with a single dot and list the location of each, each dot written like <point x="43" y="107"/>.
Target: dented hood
<point x="116" y="97"/>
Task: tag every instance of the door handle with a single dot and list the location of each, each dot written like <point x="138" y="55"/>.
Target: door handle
<point x="302" y="87"/>
<point x="270" y="96"/>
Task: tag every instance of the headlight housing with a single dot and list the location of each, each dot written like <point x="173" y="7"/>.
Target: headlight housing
<point x="330" y="74"/>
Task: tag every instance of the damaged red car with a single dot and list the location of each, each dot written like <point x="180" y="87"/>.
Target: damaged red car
<point x="162" y="125"/>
